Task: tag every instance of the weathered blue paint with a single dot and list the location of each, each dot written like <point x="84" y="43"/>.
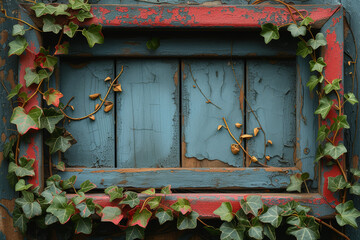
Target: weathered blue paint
<point x="271" y="93"/>
<point x="147" y="114"/>
<point x="96" y="139"/>
<point x="216" y="80"/>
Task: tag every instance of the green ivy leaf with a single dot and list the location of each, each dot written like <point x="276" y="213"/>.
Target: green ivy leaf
<point x="52" y="96"/>
<point x="25" y="168"/>
<point x="269" y="231"/>
<point x="252" y="204"/>
<point x="30" y="207"/>
<point x="350" y="97"/>
<point x="19" y="220"/>
<point x="324" y="107"/>
<point x="242" y="218"/>
<point x="69" y="183"/>
<point x="153" y="44"/>
<point x="79" y="198"/>
<point x="86" y="208"/>
<point x="150" y="191"/>
<point x="18" y="30"/>
<point x="307" y="230"/>
<point x="87" y="186"/>
<point x="43" y="9"/>
<point x="295" y="183"/>
<point x="347" y="214"/>
<point x="334" y="151"/>
<point x="296" y="30"/>
<point x="335" y="85"/>
<point x="355" y="189"/>
<point x="166" y="190"/>
<point x="225" y="212"/>
<point x="339" y="123"/>
<point x="269" y="32"/>
<point x="111" y="214"/>
<point x="306" y="21"/>
<point x="319" y="154"/>
<point x="314" y="81"/>
<point x="50" y="219"/>
<point x="61" y="10"/>
<point x="323" y="132"/>
<point x="44" y="60"/>
<point x="318" y="65"/>
<point x="154" y="202"/>
<point x="50" y="118"/>
<point x="62" y="48"/>
<point x="164" y="215"/>
<point x="50" y="26"/>
<point x="337" y="183"/>
<point x="93" y="35"/>
<point x="272" y="216"/>
<point x="319" y="41"/>
<point x="17" y="46"/>
<point x="60" y="140"/>
<point x="79" y="4"/>
<point x="82" y="225"/>
<point x="114" y="192"/>
<point x="61" y="209"/>
<point x="131" y="199"/>
<point x="256" y="232"/>
<point x="33" y="77"/>
<point x="82" y="15"/>
<point x="182" y="205"/>
<point x="355" y="172"/>
<point x="303" y="49"/>
<point x="21" y="186"/>
<point x="229" y="231"/>
<point x="70" y="29"/>
<point x="140" y="218"/>
<point x="26" y="121"/>
<point x="188" y="221"/>
<point x="135" y="232"/>
<point x="14" y="91"/>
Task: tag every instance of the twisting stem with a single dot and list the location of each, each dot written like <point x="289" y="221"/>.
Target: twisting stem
<point x="341" y="169"/>
<point x="17" y="149"/>
<point x="145" y="202"/>
<point x="329" y="226"/>
<point x="206" y="225"/>
<point x="18" y="19"/>
<point x="306" y="186"/>
<point x="207" y="99"/>
<point x="36" y="91"/>
<point x="102" y="103"/>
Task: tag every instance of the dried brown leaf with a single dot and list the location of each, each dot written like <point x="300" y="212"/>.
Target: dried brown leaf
<point x="267" y="158"/>
<point x="235" y="148"/>
<point x="92" y="117"/>
<point x="94" y="96"/>
<point x="256" y="131"/>
<point x="269" y="142"/>
<point x="107" y="79"/>
<point x="219" y="127"/>
<point x="97" y="106"/>
<point x="107" y="103"/>
<point x="194" y="86"/>
<point x="238" y="125"/>
<point x="246" y="136"/>
<point x="254" y="159"/>
<point x="117" y="88"/>
<point x="108" y="108"/>
<point x="72" y="107"/>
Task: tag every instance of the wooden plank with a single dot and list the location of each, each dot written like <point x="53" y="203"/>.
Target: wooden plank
<point x="216" y="178"/>
<point x="215" y="79"/>
<point x="96" y="139"/>
<point x="189" y="43"/>
<point x="271" y="93"/>
<point x="147" y="121"/>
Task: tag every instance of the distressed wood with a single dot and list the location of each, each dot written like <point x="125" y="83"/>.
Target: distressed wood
<point x="216" y="80"/>
<point x="95" y="145"/>
<point x="264" y="178"/>
<point x="147" y="116"/>
<point x="271" y="93"/>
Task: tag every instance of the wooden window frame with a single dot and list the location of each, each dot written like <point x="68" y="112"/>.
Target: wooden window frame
<point x="328" y="19"/>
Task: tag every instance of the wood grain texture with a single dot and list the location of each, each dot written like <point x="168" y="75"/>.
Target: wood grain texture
<point x="147" y="124"/>
<point x="271" y="92"/>
<point x="216" y="80"/>
<point x="95" y="145"/>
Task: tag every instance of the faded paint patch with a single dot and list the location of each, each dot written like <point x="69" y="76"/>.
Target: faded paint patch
<point x="2" y="62"/>
<point x="3" y="137"/>
<point x="6" y="223"/>
<point x="1" y="157"/>
<point x="4" y="34"/>
<point x="10" y="78"/>
<point x="4" y="120"/>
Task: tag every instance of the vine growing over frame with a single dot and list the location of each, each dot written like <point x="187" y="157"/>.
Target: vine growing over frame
<point x="53" y="205"/>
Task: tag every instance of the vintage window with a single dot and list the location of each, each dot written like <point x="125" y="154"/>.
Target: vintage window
<point x="161" y="130"/>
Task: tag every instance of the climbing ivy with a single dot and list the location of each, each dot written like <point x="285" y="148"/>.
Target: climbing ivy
<point x="53" y="206"/>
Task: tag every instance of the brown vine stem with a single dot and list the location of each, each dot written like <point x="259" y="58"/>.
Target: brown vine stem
<point x="145" y="202"/>
<point x="50" y="166"/>
<point x="329" y="226"/>
<point x="17" y="149"/>
<point x="207" y="99"/>
<point x="342" y="170"/>
<point x="36" y="91"/>
<point x="102" y="103"/>
<point x="206" y="225"/>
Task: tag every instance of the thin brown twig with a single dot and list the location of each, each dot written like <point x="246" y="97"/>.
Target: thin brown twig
<point x="36" y="91"/>
<point x="207" y="99"/>
<point x="206" y="225"/>
<point x="329" y="226"/>
<point x="96" y="110"/>
<point x="17" y="149"/>
<point x="50" y="166"/>
<point x="341" y="169"/>
<point x="18" y="19"/>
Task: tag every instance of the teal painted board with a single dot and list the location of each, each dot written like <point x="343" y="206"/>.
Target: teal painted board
<point x="95" y="145"/>
<point x="271" y="93"/>
<point x="215" y="79"/>
<point x="147" y="120"/>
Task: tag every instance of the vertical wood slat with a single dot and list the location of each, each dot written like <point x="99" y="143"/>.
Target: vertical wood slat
<point x="271" y="92"/>
<point x="147" y="114"/>
<point x="201" y="140"/>
<point x="95" y="145"/>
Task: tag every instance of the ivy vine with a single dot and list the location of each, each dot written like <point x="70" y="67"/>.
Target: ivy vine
<point x="53" y="206"/>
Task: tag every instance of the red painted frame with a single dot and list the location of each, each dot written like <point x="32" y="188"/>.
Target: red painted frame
<point x="329" y="19"/>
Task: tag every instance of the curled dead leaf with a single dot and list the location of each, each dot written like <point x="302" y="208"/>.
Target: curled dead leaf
<point x="108" y="108"/>
<point x="194" y="86"/>
<point x="117" y="88"/>
<point x="246" y="136"/>
<point x="254" y="159"/>
<point x="267" y="158"/>
<point x="269" y="142"/>
<point x="72" y="107"/>
<point x="349" y="63"/>
<point x="107" y="103"/>
<point x="219" y="127"/>
<point x="238" y="125"/>
<point x="107" y="79"/>
<point x="94" y="96"/>
<point x="97" y="106"/>
<point x="92" y="117"/>
<point x="256" y="131"/>
<point x="235" y="148"/>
